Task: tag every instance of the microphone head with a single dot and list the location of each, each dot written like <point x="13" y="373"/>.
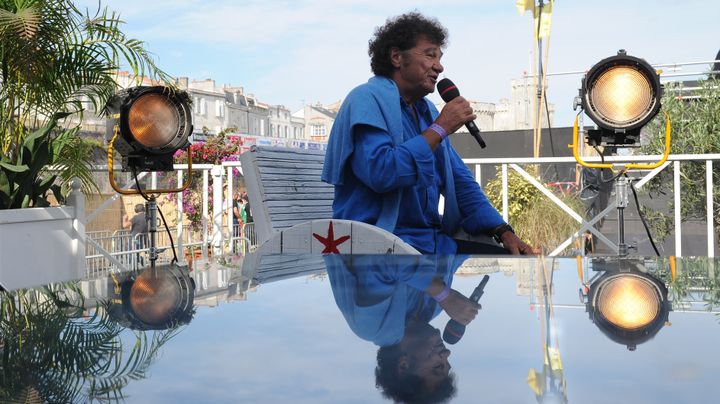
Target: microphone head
<point x="447" y="89"/>
<point x="453" y="332"/>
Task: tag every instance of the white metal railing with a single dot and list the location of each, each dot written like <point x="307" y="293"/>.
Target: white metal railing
<point x="586" y="226"/>
<point x="129" y="251"/>
<point x="218" y="233"/>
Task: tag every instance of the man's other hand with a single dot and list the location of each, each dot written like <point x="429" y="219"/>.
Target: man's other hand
<point x="512" y="243"/>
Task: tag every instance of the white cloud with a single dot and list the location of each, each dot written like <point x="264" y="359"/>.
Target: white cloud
<point x="316" y="50"/>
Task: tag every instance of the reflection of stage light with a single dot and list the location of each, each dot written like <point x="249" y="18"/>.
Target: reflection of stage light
<point x="628" y="306"/>
<point x="628" y="302"/>
<point x="621" y="94"/>
<point x="157" y="298"/>
<point x="154" y="296"/>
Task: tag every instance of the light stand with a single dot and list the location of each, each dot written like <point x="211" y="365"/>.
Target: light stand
<point x="151" y="217"/>
<point x="621" y="200"/>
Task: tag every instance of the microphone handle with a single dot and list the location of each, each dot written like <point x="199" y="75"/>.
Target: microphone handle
<point x="480" y="289"/>
<point x="475" y="132"/>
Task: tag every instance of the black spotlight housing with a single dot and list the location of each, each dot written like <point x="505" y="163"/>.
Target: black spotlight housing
<point x="157" y="298"/>
<point x="620" y="94"/>
<point x="148" y="125"/>
<point x="629" y="306"/>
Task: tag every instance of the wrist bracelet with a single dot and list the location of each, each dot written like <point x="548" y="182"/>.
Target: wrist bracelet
<point x="439" y="130"/>
<point x="442" y="295"/>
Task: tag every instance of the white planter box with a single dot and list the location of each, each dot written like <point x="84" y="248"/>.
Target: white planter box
<point x="42" y="245"/>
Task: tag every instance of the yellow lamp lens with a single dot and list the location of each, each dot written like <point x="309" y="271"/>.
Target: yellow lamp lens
<point x="154" y="297"/>
<point x="622" y="95"/>
<point x="153" y="120"/>
<point x="628" y="302"/>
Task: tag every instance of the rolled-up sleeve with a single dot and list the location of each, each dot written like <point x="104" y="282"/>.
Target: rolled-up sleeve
<point x="383" y="167"/>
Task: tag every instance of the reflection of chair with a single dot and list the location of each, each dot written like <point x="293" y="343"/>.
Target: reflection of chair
<point x="292" y="207"/>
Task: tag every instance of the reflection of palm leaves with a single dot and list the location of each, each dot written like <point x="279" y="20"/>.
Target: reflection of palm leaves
<point x="108" y="386"/>
<point x="50" y="349"/>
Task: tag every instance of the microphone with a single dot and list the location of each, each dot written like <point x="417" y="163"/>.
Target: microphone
<point x="454" y="330"/>
<point x="448" y="92"/>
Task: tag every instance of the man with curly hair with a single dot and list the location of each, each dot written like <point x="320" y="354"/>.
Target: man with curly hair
<point x="388" y="158"/>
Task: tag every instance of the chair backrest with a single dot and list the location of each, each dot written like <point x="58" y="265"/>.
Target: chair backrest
<point x="284" y="188"/>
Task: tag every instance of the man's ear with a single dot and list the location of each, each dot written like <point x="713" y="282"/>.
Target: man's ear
<point x="403" y="365"/>
<point x="396" y="57"/>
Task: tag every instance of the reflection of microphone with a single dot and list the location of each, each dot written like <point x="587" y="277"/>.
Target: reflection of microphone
<point x="454" y="330"/>
<point x="448" y="92"/>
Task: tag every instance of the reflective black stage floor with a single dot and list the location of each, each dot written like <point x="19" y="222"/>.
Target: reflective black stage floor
<point x="314" y="329"/>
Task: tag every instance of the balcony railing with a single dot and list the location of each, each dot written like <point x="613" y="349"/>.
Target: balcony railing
<point x="218" y="236"/>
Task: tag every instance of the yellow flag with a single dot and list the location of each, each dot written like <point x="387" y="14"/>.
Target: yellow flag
<point x="544" y="20"/>
<point x="524" y="5"/>
<point x="534" y="381"/>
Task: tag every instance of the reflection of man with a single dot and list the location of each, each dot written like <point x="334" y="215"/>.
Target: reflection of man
<point x="388" y="158"/>
<point x="390" y="302"/>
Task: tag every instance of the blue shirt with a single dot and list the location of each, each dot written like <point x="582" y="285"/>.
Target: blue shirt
<point x="381" y="162"/>
<point x="377" y="295"/>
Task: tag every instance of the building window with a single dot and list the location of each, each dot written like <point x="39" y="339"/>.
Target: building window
<point x="219" y="108"/>
<point x="318" y="130"/>
<point x="196" y="105"/>
<point x="203" y="106"/>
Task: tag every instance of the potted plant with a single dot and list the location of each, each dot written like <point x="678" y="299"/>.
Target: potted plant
<point x="56" y="62"/>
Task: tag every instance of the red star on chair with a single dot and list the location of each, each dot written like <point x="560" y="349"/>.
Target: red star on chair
<point x="330" y="242"/>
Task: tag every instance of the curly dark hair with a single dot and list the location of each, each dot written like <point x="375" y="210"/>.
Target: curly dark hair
<point x="402" y="32"/>
<point x="408" y="388"/>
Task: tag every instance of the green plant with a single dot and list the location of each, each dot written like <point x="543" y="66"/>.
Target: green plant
<point x="21" y="186"/>
<point x="695" y="130"/>
<point x="55" y="60"/>
<point x="535" y="218"/>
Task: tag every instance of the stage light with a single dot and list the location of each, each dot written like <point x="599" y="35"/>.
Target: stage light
<point x="620" y="94"/>
<point x="147" y="125"/>
<point x="154" y="299"/>
<point x="628" y="306"/>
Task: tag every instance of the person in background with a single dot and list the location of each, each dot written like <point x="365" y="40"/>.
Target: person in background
<point x="246" y="207"/>
<point x="138" y="227"/>
<point x="238" y="220"/>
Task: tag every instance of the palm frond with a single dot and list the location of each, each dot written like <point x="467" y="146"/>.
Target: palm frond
<point x="23" y="22"/>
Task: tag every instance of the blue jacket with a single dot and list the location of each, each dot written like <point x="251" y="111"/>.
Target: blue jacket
<point x="374" y="120"/>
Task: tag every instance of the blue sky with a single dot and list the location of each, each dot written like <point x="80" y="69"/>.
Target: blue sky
<point x="290" y="52"/>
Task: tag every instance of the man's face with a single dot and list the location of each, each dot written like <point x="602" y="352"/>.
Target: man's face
<point x="418" y="68"/>
<point x="427" y="355"/>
